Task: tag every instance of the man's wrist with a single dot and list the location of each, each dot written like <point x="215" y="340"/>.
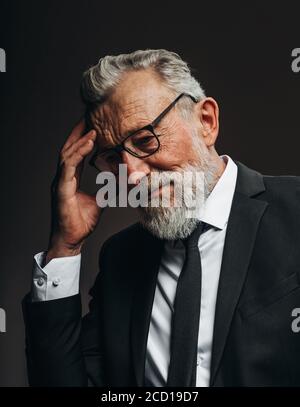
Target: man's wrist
<point x="60" y="251"/>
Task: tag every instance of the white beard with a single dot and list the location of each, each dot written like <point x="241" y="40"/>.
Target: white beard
<point x="173" y="222"/>
<point x="167" y="223"/>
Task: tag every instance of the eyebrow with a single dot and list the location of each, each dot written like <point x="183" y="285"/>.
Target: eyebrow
<point x="124" y="136"/>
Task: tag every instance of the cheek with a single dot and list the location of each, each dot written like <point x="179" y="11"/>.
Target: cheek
<point x="174" y="152"/>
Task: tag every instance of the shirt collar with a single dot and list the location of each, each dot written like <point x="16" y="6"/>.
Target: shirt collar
<point x="216" y="208"/>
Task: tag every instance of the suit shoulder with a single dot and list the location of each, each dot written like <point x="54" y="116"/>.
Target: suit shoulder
<point x="285" y="185"/>
<point x="284" y="180"/>
<point x="283" y="191"/>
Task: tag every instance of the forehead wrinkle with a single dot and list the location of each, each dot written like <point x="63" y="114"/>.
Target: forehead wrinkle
<point x="133" y="116"/>
<point x="115" y="120"/>
<point x="105" y="125"/>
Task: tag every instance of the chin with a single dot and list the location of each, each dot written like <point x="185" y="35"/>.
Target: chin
<point x="167" y="223"/>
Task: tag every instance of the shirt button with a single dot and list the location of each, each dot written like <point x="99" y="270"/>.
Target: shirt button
<point x="40" y="282"/>
<point x="199" y="360"/>
<point x="56" y="282"/>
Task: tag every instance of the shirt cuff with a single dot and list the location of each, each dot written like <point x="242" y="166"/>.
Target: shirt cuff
<point x="58" y="279"/>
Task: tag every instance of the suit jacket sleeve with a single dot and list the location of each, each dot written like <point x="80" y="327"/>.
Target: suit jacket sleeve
<point x="62" y="348"/>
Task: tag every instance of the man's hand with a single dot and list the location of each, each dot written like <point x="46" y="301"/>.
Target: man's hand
<point x="74" y="213"/>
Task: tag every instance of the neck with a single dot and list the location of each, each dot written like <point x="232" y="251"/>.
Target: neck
<point x="214" y="169"/>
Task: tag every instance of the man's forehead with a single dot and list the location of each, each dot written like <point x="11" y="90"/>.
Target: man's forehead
<point x="139" y="93"/>
<point x="143" y="86"/>
<point x="117" y="120"/>
<point x="135" y="102"/>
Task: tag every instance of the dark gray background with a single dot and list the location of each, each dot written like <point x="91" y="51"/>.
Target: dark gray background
<point x="240" y="52"/>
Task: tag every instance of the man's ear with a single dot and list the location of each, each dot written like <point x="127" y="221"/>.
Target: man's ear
<point x="208" y="115"/>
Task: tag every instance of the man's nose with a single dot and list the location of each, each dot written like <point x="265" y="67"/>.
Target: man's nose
<point x="136" y="167"/>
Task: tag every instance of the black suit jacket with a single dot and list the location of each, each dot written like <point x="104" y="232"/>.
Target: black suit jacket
<point x="253" y="341"/>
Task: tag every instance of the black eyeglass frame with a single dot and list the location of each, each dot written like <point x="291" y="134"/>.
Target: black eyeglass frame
<point x="120" y="147"/>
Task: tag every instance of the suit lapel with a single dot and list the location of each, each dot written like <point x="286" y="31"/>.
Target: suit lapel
<point x="242" y="227"/>
<point x="150" y="257"/>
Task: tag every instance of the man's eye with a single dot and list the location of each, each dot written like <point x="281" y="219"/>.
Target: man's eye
<point x="144" y="140"/>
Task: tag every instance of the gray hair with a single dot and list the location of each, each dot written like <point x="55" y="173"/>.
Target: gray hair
<point x="101" y="79"/>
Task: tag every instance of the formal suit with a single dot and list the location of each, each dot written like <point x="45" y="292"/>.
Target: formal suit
<point x="253" y="341"/>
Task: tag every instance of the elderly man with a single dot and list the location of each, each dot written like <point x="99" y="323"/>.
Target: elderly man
<point x="208" y="300"/>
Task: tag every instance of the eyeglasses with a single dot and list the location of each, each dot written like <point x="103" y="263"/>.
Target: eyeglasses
<point x="141" y="143"/>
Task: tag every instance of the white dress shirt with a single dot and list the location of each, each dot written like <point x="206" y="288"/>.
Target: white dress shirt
<point x="60" y="278"/>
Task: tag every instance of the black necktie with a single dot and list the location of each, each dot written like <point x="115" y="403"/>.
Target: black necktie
<point x="185" y="320"/>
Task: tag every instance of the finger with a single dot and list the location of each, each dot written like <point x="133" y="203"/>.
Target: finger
<point x="85" y="145"/>
<point x="75" y="134"/>
<point x="78" y="171"/>
<point x="69" y="165"/>
<point x="91" y="135"/>
<point x="68" y="174"/>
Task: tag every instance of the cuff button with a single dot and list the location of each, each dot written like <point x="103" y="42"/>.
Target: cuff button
<point x="40" y="281"/>
<point x="56" y="282"/>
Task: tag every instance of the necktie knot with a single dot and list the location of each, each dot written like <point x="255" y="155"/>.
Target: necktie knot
<point x="192" y="240"/>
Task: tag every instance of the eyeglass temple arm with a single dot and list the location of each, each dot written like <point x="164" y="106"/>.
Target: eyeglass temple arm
<point x="171" y="106"/>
